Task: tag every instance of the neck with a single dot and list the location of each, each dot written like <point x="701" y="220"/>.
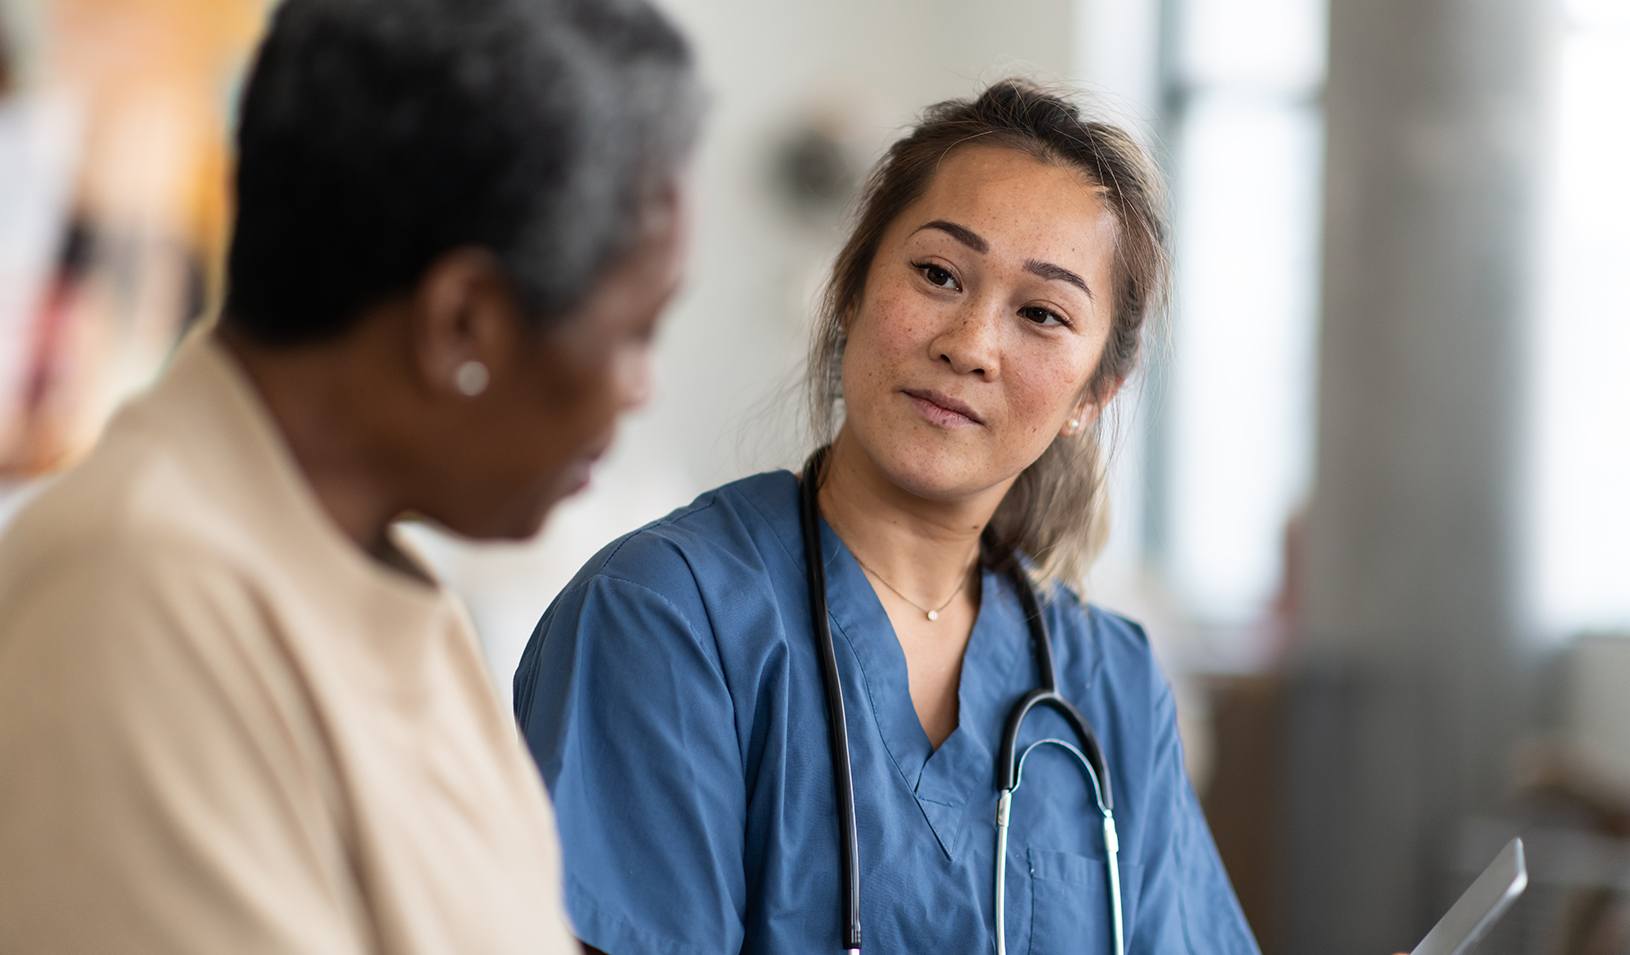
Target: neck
<point x="312" y="395"/>
<point x="920" y="547"/>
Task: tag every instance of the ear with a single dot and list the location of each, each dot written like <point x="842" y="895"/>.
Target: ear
<point x="1088" y="407"/>
<point x="464" y="323"/>
<point x="1080" y="418"/>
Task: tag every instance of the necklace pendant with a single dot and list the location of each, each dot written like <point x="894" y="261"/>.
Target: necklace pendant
<point x="933" y="615"/>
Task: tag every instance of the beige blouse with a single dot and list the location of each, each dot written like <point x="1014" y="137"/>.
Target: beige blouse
<point x="223" y="728"/>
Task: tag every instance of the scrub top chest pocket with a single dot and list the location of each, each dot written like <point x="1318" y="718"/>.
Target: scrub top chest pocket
<point x="1068" y="899"/>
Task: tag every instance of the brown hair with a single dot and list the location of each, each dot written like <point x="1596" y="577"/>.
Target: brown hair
<point x="1054" y="513"/>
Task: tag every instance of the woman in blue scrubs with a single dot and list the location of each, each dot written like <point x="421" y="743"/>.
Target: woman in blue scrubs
<point x="988" y="306"/>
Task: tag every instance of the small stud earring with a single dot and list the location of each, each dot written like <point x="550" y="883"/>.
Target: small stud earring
<point x="471" y="378"/>
<point x="1075" y="425"/>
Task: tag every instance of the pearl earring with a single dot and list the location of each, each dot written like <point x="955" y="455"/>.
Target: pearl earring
<point x="1075" y="425"/>
<point x="471" y="378"/>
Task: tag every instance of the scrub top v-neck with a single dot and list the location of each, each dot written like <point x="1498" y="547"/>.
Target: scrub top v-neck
<point x="672" y="697"/>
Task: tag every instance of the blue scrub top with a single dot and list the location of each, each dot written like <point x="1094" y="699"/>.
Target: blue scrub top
<point x="672" y="697"/>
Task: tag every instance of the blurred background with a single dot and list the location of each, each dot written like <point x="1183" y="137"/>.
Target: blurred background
<point x="1372" y="497"/>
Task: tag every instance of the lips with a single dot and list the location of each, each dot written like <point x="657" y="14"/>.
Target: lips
<point x="944" y="403"/>
<point x="578" y="475"/>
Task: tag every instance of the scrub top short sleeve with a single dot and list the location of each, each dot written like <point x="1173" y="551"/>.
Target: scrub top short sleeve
<point x="632" y="725"/>
<point x="1188" y="904"/>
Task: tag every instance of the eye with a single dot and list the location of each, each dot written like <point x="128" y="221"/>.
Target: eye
<point x="937" y="277"/>
<point x="1044" y="316"/>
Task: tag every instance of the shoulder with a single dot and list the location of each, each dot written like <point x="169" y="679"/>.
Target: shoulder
<point x="721" y="541"/>
<point x="131" y="506"/>
<point x="132" y="662"/>
<point x="698" y="585"/>
<point x="1103" y="653"/>
<point x="123" y="570"/>
<point x="109" y="615"/>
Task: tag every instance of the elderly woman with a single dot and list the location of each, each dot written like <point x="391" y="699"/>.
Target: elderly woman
<point x="792" y="711"/>
<point x="235" y="716"/>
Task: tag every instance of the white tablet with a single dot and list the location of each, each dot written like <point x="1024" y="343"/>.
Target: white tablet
<point x="1476" y="911"/>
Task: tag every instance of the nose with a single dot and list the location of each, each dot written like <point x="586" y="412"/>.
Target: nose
<point x="970" y="343"/>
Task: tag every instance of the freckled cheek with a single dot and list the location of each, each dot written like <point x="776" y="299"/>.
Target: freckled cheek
<point x="1039" y="390"/>
<point x="895" y="323"/>
<point x="888" y="333"/>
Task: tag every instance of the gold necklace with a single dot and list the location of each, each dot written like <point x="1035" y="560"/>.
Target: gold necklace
<point x="931" y="614"/>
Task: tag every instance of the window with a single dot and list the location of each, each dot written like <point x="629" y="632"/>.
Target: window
<point x="1581" y="340"/>
<point x="1234" y="430"/>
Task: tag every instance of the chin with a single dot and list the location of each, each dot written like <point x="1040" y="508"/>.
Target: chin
<point x="532" y="525"/>
<point x="513" y="525"/>
<point x="933" y="471"/>
<point x="522" y="532"/>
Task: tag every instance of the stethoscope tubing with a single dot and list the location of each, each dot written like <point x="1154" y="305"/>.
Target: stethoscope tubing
<point x="837" y="722"/>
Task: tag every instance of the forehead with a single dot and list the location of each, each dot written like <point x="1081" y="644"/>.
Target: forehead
<point x="1024" y="207"/>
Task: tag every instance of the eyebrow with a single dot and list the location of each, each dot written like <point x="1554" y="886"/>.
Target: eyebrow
<point x="1048" y="270"/>
<point x="961" y="233"/>
<point x="974" y="241"/>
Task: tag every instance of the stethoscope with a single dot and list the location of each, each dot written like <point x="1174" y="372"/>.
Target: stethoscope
<point x="1009" y="764"/>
